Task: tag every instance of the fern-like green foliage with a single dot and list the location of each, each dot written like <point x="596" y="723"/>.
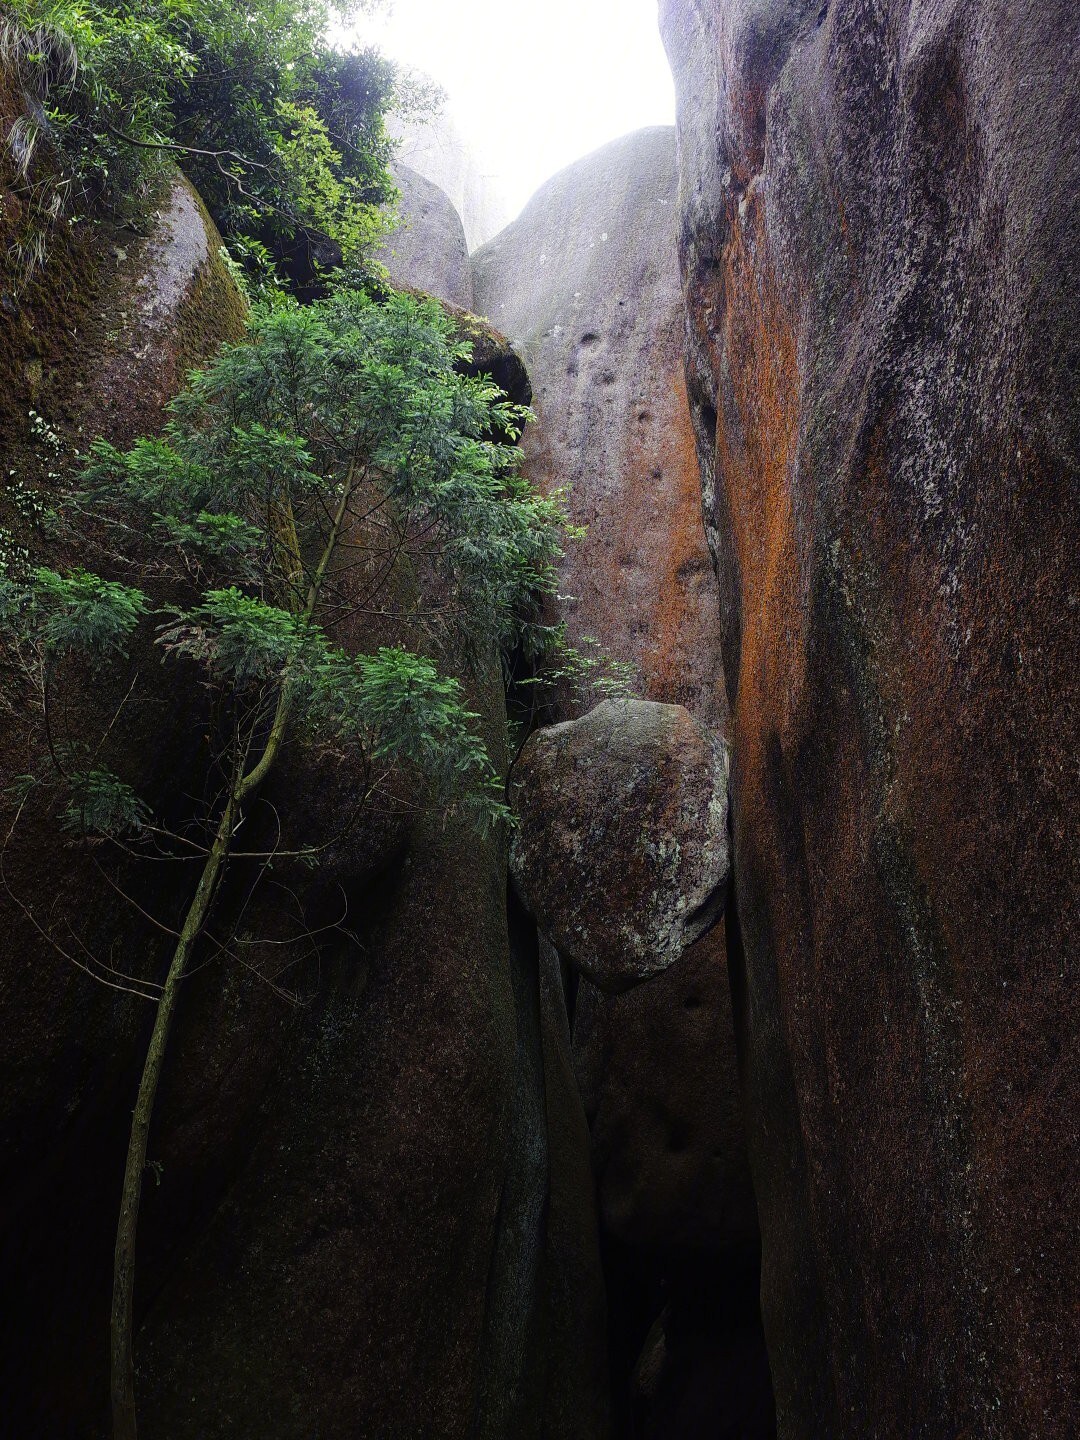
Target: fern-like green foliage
<point x="100" y="803"/>
<point x="83" y="613"/>
<point x="350" y="383"/>
<point x="338" y="463"/>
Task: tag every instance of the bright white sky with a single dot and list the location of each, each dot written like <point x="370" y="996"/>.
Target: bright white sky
<point x="534" y="84"/>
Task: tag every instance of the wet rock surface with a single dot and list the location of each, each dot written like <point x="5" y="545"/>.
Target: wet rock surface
<point x="621" y="851"/>
<point x="880" y="210"/>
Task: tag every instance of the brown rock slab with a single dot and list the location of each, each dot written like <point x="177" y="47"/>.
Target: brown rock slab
<point x="880" y="210"/>
<point x="335" y="1174"/>
<point x="96" y="343"/>
<point x="669" y="1156"/>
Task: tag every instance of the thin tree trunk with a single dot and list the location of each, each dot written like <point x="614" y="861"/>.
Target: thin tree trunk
<point x="122" y="1326"/>
<point x="122" y="1322"/>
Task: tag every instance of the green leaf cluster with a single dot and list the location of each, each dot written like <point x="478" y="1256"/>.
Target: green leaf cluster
<point x="350" y="384"/>
<point x="77" y="613"/>
<point x="339" y="462"/>
<point x="282" y="133"/>
<point x="100" y="803"/>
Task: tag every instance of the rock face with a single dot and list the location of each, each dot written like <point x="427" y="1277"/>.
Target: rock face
<point x="419" y="1111"/>
<point x="94" y="344"/>
<point x="587" y="283"/>
<point x="106" y="331"/>
<point x="428" y="251"/>
<point x="621" y="853"/>
<point x="880" y="211"/>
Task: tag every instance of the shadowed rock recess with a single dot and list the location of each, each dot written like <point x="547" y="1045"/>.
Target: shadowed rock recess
<point x="734" y="1094"/>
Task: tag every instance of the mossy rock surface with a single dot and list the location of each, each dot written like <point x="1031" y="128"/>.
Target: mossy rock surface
<point x="100" y="337"/>
<point x="93" y="341"/>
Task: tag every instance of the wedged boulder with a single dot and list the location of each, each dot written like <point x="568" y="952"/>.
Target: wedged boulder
<point x="880" y="211"/>
<point x="427" y="251"/>
<point x="621" y="852"/>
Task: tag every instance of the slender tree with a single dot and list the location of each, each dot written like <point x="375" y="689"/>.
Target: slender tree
<point x="338" y="462"/>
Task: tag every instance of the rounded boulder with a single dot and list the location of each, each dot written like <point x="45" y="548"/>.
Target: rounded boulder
<point x="621" y="848"/>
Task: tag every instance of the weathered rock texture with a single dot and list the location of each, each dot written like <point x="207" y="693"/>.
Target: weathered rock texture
<point x="587" y="284"/>
<point x="104" y="333"/>
<point x="881" y="246"/>
<point x="621" y="853"/>
<point x="428" y="251"/>
<point x="391" y="1256"/>
<point x="670" y="1162"/>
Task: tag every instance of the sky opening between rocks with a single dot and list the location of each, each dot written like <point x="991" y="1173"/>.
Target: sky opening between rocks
<point x="533" y="86"/>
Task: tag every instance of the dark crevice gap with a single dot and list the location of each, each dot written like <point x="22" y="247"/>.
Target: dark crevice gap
<point x="687" y="1350"/>
<point x="504" y="1397"/>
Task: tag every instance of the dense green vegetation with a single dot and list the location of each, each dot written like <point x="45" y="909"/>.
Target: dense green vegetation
<point x="282" y="133"/>
<point x="346" y="427"/>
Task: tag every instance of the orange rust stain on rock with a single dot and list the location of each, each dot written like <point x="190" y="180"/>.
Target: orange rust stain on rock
<point x="675" y="627"/>
<point x="642" y="576"/>
<point x="755" y="452"/>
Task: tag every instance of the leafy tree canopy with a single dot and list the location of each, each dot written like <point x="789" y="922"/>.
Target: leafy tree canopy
<point x="282" y="133"/>
<point x="336" y="464"/>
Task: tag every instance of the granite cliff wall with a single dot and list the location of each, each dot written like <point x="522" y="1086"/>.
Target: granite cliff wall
<point x="437" y="150"/>
<point x="880" y="239"/>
